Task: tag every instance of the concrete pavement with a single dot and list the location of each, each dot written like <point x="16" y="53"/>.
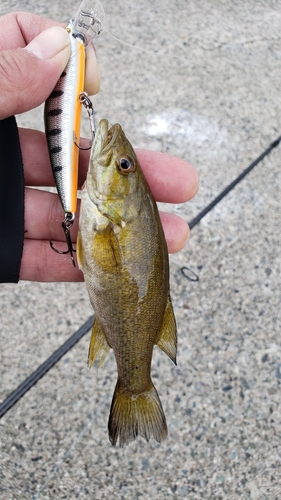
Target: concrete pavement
<point x="206" y="88"/>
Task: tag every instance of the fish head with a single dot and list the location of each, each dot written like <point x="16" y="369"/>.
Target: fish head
<point x="115" y="180"/>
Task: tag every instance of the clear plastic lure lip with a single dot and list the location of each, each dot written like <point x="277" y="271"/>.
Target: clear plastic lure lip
<point x="89" y="20"/>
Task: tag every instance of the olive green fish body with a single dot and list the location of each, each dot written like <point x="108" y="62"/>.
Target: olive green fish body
<point x="123" y="254"/>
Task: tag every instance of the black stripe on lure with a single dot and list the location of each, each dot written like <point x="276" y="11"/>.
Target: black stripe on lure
<point x="63" y="111"/>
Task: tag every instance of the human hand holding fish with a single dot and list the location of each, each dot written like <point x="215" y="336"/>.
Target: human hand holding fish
<point x="43" y="209"/>
<point x="33" y="53"/>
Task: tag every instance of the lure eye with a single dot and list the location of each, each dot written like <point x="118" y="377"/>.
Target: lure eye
<point x="126" y="165"/>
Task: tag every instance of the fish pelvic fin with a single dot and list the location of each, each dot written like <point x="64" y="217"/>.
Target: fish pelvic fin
<point x="98" y="347"/>
<point x="136" y="415"/>
<point x="168" y="333"/>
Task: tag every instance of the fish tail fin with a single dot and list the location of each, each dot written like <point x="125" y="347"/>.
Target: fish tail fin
<point x="136" y="415"/>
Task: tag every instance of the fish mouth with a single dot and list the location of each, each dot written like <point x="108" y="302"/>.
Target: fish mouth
<point x="105" y="137"/>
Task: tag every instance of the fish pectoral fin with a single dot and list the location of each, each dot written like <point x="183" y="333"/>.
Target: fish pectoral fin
<point x="136" y="415"/>
<point x="98" y="347"/>
<point x="168" y="333"/>
<point x="79" y="252"/>
<point x="106" y="251"/>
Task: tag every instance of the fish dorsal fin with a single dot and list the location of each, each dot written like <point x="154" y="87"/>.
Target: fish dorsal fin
<point x="168" y="333"/>
<point x="98" y="347"/>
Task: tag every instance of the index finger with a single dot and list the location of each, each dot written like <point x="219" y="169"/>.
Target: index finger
<point x="171" y="179"/>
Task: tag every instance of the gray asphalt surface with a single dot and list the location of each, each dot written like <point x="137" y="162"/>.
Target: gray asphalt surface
<point x="203" y="83"/>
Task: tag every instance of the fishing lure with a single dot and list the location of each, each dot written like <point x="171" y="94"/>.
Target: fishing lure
<point x="63" y="111"/>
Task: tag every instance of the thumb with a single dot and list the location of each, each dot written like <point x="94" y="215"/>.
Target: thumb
<point x="28" y="76"/>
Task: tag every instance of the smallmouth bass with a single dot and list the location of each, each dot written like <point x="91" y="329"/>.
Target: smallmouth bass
<point x="122" y="252"/>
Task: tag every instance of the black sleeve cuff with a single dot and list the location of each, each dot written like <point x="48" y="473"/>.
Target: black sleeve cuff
<point x="11" y="201"/>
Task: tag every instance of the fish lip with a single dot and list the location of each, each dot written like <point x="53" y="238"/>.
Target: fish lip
<point x="105" y="137"/>
<point x="113" y="131"/>
<point x="112" y="135"/>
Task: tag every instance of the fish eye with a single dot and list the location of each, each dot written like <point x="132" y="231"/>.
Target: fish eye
<point x="126" y="165"/>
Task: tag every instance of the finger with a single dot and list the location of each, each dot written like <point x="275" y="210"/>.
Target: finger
<point x="176" y="231"/>
<point x="46" y="57"/>
<point x="36" y="161"/>
<point x="41" y="263"/>
<point x="19" y="29"/>
<point x="92" y="72"/>
<point x="171" y="179"/>
<point x="44" y="215"/>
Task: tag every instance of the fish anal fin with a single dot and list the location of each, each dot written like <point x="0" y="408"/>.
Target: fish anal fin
<point x="136" y="415"/>
<point x="168" y="333"/>
<point x="98" y="347"/>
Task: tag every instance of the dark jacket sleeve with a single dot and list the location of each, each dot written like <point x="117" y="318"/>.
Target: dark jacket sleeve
<point x="11" y="201"/>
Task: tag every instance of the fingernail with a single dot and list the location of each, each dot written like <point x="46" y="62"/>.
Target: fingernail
<point x="50" y="43"/>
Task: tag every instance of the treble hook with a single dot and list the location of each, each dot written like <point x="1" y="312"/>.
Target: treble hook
<point x="66" y="225"/>
<point x="87" y="103"/>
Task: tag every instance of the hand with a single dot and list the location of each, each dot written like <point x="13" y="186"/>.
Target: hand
<point x="44" y="215"/>
<point x="27" y="76"/>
